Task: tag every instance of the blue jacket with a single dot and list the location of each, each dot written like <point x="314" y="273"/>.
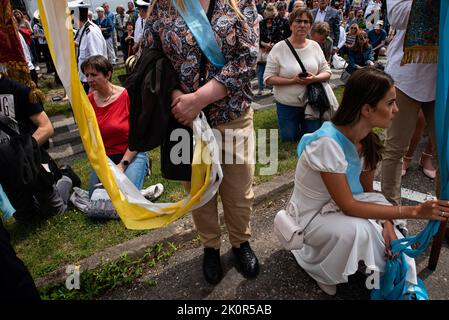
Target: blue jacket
<point x="359" y="58"/>
<point x="105" y="23"/>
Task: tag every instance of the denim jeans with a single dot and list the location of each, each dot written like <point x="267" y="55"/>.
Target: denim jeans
<point x="260" y="70"/>
<point x="136" y="172"/>
<point x="292" y="124"/>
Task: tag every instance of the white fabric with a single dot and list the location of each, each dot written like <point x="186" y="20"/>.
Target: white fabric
<point x="110" y="49"/>
<point x="138" y="29"/>
<point x="281" y="62"/>
<point x="26" y="52"/>
<point x="92" y="43"/>
<point x="405" y="77"/>
<point x="334" y="243"/>
<point x="342" y="38"/>
<point x="320" y="15"/>
<point x="372" y="5"/>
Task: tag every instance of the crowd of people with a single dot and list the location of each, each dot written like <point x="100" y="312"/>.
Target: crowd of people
<point x="278" y="40"/>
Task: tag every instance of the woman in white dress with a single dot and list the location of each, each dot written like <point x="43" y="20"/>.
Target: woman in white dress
<point x="352" y="225"/>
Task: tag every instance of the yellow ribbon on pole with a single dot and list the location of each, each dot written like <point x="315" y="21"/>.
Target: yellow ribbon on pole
<point x="135" y="211"/>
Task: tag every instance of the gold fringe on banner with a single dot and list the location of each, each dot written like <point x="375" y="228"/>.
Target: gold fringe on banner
<point x="420" y="54"/>
<point x="13" y="64"/>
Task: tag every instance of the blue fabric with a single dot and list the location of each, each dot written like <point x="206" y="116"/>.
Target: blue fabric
<point x="136" y="172"/>
<point x="351" y="155"/>
<point x="393" y="285"/>
<point x="359" y="59"/>
<point x="442" y="101"/>
<point x="5" y="206"/>
<point x="375" y="39"/>
<point x="199" y="25"/>
<point x="292" y="124"/>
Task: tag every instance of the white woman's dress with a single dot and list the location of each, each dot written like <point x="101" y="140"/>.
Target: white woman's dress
<point x="334" y="243"/>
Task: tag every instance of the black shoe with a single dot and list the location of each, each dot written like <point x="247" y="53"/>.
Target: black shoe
<point x="67" y="171"/>
<point x="212" y="266"/>
<point x="249" y="265"/>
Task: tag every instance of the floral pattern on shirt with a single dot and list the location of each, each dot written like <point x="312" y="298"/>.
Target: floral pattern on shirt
<point x="238" y="39"/>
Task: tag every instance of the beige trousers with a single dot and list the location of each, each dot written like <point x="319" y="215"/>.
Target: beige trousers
<point x="398" y="140"/>
<point x="235" y="191"/>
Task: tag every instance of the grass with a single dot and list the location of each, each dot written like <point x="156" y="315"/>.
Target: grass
<point x="69" y="237"/>
<point x="110" y="275"/>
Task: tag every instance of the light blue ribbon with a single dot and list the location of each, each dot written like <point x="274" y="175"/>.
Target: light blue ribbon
<point x="5" y="206"/>
<point x="352" y="157"/>
<point x="199" y="25"/>
<point x="442" y="100"/>
<point x="393" y="285"/>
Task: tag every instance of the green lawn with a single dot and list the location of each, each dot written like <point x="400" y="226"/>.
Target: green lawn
<point x="64" y="239"/>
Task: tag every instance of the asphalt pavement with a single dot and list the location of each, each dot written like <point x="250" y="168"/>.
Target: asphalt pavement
<point x="181" y="278"/>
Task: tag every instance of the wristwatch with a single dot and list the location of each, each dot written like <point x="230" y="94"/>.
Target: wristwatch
<point x="125" y="162"/>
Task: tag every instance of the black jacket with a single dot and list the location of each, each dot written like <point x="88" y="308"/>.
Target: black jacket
<point x="149" y="88"/>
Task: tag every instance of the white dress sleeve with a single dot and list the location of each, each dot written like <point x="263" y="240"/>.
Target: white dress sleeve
<point x="325" y="155"/>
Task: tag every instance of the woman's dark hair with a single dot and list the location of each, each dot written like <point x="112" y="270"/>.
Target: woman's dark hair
<point x="298" y="12"/>
<point x="129" y="23"/>
<point x="99" y="63"/>
<point x="365" y="86"/>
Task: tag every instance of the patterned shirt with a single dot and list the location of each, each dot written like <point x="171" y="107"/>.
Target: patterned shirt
<point x="239" y="42"/>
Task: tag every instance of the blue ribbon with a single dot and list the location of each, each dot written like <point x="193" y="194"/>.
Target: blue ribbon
<point x="393" y="285"/>
<point x="5" y="205"/>
<point x="199" y="25"/>
<point x="352" y="157"/>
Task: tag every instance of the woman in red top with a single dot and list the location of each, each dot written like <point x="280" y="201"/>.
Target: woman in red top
<point x="111" y="106"/>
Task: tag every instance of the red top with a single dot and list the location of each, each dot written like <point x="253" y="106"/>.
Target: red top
<point x="113" y="120"/>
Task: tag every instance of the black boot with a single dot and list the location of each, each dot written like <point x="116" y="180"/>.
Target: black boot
<point x="212" y="266"/>
<point x="248" y="263"/>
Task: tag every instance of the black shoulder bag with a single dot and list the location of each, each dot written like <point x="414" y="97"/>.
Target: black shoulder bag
<point x="183" y="171"/>
<point x="316" y="95"/>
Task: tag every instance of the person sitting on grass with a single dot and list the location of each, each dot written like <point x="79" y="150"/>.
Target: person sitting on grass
<point x="347" y="223"/>
<point x="111" y="105"/>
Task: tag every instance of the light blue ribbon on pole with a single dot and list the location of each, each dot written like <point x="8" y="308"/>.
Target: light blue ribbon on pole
<point x="393" y="285"/>
<point x="442" y="100"/>
<point x="199" y="25"/>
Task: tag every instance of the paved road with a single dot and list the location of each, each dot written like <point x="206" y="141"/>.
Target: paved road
<point x="281" y="277"/>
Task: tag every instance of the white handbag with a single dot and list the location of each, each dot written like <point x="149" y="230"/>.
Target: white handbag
<point x="287" y="228"/>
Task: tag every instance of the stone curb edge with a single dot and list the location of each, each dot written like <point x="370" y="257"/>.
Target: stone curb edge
<point x="180" y="228"/>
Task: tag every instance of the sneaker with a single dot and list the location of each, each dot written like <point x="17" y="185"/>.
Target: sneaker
<point x="212" y="270"/>
<point x="67" y="171"/>
<point x="247" y="260"/>
<point x="153" y="192"/>
<point x="37" y="68"/>
<point x="80" y="199"/>
<point x="259" y="92"/>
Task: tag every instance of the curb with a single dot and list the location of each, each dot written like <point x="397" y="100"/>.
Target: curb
<point x="182" y="228"/>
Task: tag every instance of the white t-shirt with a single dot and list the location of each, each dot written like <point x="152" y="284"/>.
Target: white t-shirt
<point x="417" y="80"/>
<point x="281" y="62"/>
